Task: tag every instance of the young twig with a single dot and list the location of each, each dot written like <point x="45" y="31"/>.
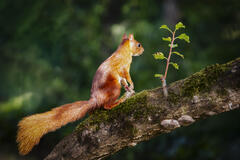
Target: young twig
<point x="160" y="55"/>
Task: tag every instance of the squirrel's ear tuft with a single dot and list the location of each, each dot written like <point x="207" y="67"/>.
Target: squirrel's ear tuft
<point x="131" y="37"/>
<point x="124" y="36"/>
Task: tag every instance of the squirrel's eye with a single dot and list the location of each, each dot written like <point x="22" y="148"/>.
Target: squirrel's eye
<point x="139" y="45"/>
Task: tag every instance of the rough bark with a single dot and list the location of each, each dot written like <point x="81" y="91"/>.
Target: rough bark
<point x="211" y="91"/>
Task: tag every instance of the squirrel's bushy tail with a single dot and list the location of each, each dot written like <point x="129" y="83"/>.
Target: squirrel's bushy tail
<point x="33" y="127"/>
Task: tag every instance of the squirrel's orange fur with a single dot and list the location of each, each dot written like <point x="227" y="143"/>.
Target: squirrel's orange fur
<point x="106" y="87"/>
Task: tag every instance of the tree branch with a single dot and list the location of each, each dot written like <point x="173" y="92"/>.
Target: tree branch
<point x="211" y="91"/>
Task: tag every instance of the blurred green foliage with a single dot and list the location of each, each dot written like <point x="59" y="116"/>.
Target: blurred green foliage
<point x="50" y="50"/>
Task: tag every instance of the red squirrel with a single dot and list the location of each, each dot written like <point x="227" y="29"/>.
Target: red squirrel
<point x="106" y="86"/>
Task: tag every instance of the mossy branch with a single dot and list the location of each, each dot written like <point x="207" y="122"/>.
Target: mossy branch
<point x="211" y="91"/>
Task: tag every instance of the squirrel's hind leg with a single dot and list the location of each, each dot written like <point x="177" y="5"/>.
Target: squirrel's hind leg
<point x="113" y="101"/>
<point x="114" y="104"/>
<point x="117" y="102"/>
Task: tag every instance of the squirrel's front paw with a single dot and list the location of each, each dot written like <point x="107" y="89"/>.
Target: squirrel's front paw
<point x="130" y="93"/>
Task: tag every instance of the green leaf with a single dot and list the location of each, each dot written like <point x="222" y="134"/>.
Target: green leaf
<point x="159" y="55"/>
<point x="165" y="27"/>
<point x="158" y="75"/>
<point x="175" y="65"/>
<point x="184" y="37"/>
<point x="179" y="25"/>
<point x="169" y="39"/>
<point x="179" y="54"/>
<point x="173" y="46"/>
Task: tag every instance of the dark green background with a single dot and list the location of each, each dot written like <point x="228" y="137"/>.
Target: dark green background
<point x="50" y="50"/>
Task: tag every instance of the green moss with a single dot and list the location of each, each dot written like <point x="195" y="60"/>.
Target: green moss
<point x="173" y="98"/>
<point x="133" y="104"/>
<point x="203" y="80"/>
